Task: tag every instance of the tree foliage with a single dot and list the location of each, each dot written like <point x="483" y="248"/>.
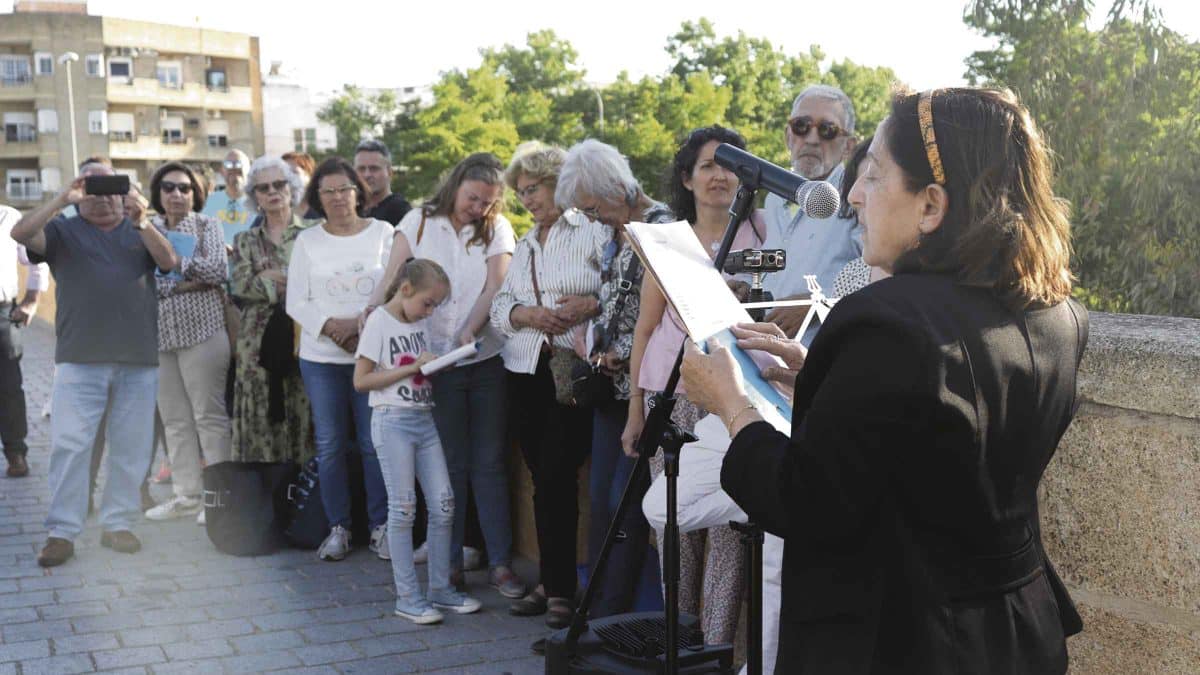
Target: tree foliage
<point x="1118" y="105"/>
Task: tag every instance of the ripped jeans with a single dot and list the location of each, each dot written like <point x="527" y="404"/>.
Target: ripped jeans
<point x="409" y="450"/>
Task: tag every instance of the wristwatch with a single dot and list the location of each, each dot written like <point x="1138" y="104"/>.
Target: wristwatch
<point x="141" y="225"/>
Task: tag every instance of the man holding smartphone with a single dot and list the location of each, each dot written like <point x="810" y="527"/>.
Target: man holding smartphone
<point x="106" y="353"/>
<point x="15" y="314"/>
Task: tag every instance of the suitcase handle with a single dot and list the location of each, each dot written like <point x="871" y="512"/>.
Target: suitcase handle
<point x="212" y="500"/>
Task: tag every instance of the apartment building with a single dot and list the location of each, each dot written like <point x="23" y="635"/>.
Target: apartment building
<point x="142" y="93"/>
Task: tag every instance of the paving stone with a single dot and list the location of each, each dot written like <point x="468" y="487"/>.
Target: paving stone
<point x="20" y="651"/>
<point x="198" y="650"/>
<point x="58" y="665"/>
<point x="155" y="635"/>
<point x="130" y="656"/>
<point x="321" y="654"/>
<point x="9" y="617"/>
<point x="50" y="582"/>
<point x="392" y="644"/>
<point x="219" y="629"/>
<point x="256" y="663"/>
<point x="111" y="621"/>
<point x="337" y="632"/>
<point x="70" y="644"/>
<point x="164" y="617"/>
<point x="266" y="642"/>
<point x="73" y="610"/>
<point x="205" y="667"/>
<point x="284" y="620"/>
<point x="383" y="665"/>
<point x="86" y="594"/>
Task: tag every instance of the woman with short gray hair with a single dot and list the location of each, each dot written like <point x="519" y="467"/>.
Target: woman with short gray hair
<point x="271" y="421"/>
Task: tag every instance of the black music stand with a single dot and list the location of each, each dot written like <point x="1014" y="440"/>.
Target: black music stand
<point x="658" y="431"/>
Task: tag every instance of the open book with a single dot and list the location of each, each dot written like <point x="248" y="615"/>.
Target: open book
<point x="676" y="260"/>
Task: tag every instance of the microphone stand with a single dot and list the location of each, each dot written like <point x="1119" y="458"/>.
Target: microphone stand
<point x="659" y="431"/>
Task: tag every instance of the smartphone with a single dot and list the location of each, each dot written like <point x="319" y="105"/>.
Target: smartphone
<point x="106" y="185"/>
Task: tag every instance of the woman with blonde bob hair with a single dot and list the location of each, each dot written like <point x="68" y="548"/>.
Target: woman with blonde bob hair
<point x="925" y="412"/>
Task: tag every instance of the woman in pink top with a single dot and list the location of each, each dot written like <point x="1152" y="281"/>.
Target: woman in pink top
<point x="701" y="192"/>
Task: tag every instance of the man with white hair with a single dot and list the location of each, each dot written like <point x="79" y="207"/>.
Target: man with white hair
<point x="229" y="205"/>
<point x="819" y="135"/>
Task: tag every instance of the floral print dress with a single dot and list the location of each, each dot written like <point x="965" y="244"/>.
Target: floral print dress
<point x="255" y="437"/>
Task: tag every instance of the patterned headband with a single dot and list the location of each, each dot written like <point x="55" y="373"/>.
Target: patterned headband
<point x="925" y="118"/>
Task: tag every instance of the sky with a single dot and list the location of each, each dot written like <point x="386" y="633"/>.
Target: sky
<point x="393" y="44"/>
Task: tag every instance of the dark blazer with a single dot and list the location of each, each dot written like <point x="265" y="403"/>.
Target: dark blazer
<point x="924" y="417"/>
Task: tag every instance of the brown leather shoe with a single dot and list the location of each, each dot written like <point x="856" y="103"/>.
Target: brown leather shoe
<point x="121" y="541"/>
<point x="17" y="466"/>
<point x="56" y="552"/>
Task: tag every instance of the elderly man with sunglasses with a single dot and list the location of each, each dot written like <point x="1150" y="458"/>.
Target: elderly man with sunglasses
<point x="819" y="135"/>
<point x="106" y="322"/>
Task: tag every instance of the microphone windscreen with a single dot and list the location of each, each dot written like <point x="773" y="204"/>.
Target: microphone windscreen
<point x="818" y="199"/>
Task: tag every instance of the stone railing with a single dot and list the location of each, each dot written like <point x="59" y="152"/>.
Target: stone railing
<point x="1121" y="499"/>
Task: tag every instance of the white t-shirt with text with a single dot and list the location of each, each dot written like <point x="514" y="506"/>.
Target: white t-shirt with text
<point x="391" y="343"/>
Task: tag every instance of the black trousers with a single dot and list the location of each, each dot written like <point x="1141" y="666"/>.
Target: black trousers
<point x="14" y="427"/>
<point x="555" y="440"/>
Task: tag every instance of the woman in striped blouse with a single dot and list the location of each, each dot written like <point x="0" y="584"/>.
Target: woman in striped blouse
<point x="549" y="294"/>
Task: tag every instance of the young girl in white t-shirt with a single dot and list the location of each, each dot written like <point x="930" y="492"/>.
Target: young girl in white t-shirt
<point x="391" y="350"/>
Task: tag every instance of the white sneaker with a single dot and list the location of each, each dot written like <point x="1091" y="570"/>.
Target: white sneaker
<point x="200" y="519"/>
<point x="472" y="558"/>
<point x="454" y="601"/>
<point x="379" y="542"/>
<point x="336" y="545"/>
<point x="421" y="612"/>
<point x="176" y="507"/>
<point x="421" y="555"/>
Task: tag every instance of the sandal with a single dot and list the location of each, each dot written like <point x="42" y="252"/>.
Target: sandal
<point x="558" y="613"/>
<point x="533" y="604"/>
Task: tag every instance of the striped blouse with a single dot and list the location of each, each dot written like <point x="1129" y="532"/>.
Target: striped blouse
<point x="569" y="264"/>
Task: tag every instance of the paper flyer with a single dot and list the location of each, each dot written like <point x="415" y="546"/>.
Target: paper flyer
<point x="185" y="247"/>
<point x="446" y="360"/>
<point x="693" y="286"/>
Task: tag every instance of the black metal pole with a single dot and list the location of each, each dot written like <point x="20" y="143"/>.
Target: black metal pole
<point x="752" y="542"/>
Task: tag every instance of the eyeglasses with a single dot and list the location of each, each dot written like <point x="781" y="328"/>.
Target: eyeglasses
<point x="276" y="185"/>
<point x="182" y="188"/>
<point x="592" y="212"/>
<point x="232" y="164"/>
<point x="827" y="131"/>
<point x="529" y="190"/>
<point x="343" y="190"/>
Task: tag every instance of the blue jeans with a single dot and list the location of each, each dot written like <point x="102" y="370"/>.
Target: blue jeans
<point x="330" y="389"/>
<point x="470" y="409"/>
<point x="631" y="580"/>
<point x="81" y="393"/>
<point x="409" y="449"/>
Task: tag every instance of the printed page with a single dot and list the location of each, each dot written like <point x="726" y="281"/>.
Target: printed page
<point x="675" y="258"/>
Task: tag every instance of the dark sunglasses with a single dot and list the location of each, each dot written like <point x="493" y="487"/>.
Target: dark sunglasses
<point x="827" y="131"/>
<point x="276" y="185"/>
<point x="182" y="188"/>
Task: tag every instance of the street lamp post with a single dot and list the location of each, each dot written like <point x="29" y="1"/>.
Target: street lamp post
<point x="66" y="60"/>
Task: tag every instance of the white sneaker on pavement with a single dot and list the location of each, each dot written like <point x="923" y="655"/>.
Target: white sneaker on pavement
<point x="379" y="542"/>
<point x="176" y="507"/>
<point x="336" y="545"/>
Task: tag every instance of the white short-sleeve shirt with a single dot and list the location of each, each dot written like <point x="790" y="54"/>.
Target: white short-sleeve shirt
<point x="391" y="343"/>
<point x="466" y="265"/>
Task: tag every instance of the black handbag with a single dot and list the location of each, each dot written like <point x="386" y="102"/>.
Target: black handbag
<point x="245" y="505"/>
<point x="307" y="524"/>
<point x="590" y="385"/>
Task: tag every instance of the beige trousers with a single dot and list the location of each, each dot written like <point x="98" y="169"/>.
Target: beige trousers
<point x="191" y="400"/>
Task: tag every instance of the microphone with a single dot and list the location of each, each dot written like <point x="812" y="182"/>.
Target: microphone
<point x="816" y="198"/>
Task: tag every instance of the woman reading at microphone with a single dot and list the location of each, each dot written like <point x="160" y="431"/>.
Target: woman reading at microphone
<point x="925" y="412"/>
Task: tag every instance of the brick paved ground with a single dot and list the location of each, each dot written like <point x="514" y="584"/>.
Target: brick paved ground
<point x="179" y="606"/>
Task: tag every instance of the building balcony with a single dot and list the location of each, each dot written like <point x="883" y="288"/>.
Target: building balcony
<point x="19" y="149"/>
<point x="17" y="88"/>
<point x="25" y="193"/>
<point x="152" y="148"/>
<point x="149" y="91"/>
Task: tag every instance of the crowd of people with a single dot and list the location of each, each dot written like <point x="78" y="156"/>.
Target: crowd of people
<point x="189" y="306"/>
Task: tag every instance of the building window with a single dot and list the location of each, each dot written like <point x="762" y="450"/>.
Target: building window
<point x="170" y="74"/>
<point x="216" y="141"/>
<point x="44" y="62"/>
<point x="218" y="133"/>
<point x="121" y="68"/>
<point x="14" y="70"/>
<point x="47" y="121"/>
<point x="120" y="127"/>
<point x="305" y="140"/>
<point x="93" y="65"/>
<point x="19" y="128"/>
<point x="23" y="184"/>
<point x="172" y="131"/>
<point x="51" y="180"/>
<point x="98" y="121"/>
<point x="215" y="79"/>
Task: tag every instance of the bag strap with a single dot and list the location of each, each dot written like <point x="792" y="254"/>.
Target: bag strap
<point x="624" y="288"/>
<point x="537" y="292"/>
<point x="421" y="228"/>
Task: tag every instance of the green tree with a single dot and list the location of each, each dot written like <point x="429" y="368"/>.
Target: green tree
<point x="1118" y="105"/>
